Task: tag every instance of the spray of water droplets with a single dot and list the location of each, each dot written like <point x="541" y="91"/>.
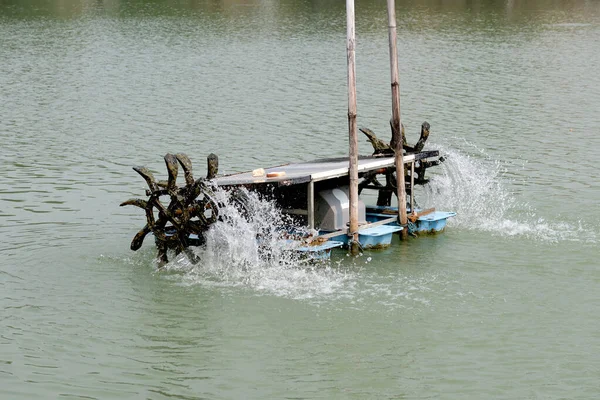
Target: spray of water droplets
<point x="475" y="187"/>
<point x="246" y="248"/>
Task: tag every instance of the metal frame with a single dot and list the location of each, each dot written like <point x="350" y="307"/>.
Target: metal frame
<point x="409" y="159"/>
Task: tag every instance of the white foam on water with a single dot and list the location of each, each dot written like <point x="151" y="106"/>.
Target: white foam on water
<point x="232" y="259"/>
<point x="245" y="249"/>
<point x="475" y="186"/>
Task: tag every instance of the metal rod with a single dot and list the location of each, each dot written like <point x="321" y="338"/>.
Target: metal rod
<point x="353" y="136"/>
<point x="311" y="205"/>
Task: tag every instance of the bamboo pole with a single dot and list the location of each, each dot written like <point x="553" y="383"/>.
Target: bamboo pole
<point x="353" y="152"/>
<point x="397" y="139"/>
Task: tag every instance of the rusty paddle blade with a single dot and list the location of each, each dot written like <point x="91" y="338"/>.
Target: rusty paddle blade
<point x="138" y="239"/>
<point x="172" y="169"/>
<point x="135" y="202"/>
<point x="186" y="164"/>
<point x="148" y="177"/>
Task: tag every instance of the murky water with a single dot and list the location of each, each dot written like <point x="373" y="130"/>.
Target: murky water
<point x="503" y="304"/>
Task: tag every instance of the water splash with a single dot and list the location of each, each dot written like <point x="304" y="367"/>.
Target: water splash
<point x="245" y="249"/>
<point x="475" y="186"/>
<point x="232" y="258"/>
<point x="472" y="186"/>
<point x="470" y="182"/>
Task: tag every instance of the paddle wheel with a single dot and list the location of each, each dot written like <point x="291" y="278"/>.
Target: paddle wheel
<point x="180" y="216"/>
<point x="190" y="211"/>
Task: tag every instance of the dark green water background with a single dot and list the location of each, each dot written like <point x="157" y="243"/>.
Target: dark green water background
<point x="504" y="304"/>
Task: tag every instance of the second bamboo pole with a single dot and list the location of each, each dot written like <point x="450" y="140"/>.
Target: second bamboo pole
<point x="397" y="132"/>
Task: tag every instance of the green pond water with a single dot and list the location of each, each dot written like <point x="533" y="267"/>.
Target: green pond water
<point x="503" y="304"/>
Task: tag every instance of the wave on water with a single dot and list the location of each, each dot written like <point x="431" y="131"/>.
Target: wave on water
<point x="245" y="249"/>
<point x="476" y="187"/>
